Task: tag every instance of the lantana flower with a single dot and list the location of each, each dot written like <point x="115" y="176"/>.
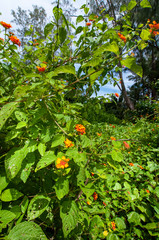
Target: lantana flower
<point x="5" y="25"/>
<point x="113" y="225"/>
<point x="15" y="40"/>
<point x="95" y="196"/>
<point x="122" y="37"/>
<point x="113" y="138"/>
<point x="80" y="128"/>
<point x="68" y="143"/>
<point x="88" y="24"/>
<point x="126" y="145"/>
<point x="116" y="94"/>
<point x="62" y="162"/>
<point x="41" y="69"/>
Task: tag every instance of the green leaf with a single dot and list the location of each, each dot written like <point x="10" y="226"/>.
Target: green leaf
<point x="24" y="204"/>
<point x="48" y="158"/>
<point x="4" y="181"/>
<point x="26" y="231"/>
<point x="6" y="217"/>
<point x="112" y="236"/>
<point x="21" y="125"/>
<point x="145" y="4"/>
<point x="64" y="69"/>
<point x="61" y="187"/>
<point x="117" y="156"/>
<point x="13" y="161"/>
<point x="93" y="62"/>
<point x="79" y="19"/>
<point x="117" y="186"/>
<point x="86" y="10"/>
<point x="145" y="34"/>
<point x="131" y="4"/>
<point x="28" y="48"/>
<point x="130" y="63"/>
<point x="120" y="223"/>
<point x="153" y="225"/>
<point x="79" y="30"/>
<point x="21" y="116"/>
<point x="58" y="140"/>
<point x="48" y="28"/>
<point x="108" y="47"/>
<point x="6" y="112"/>
<point x="134" y="218"/>
<point x="69" y="214"/>
<point x="88" y="190"/>
<point x="62" y="34"/>
<point x="57" y="13"/>
<point x="26" y="167"/>
<point x="41" y="148"/>
<point x="137" y="127"/>
<point x="37" y="206"/>
<point x="96" y="225"/>
<point x="10" y="194"/>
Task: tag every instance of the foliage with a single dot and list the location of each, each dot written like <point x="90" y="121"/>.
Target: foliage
<point x="62" y="177"/>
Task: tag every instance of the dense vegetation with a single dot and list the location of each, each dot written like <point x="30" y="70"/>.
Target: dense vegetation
<point x="73" y="166"/>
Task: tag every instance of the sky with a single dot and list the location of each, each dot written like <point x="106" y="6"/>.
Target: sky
<point x="8" y="5"/>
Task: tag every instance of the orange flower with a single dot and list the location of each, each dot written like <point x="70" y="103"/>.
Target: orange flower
<point x="80" y="128"/>
<point x="113" y="225"/>
<point x="104" y="204"/>
<point x="5" y="25"/>
<point x="126" y="145"/>
<point x="62" y="162"/>
<point x="41" y="69"/>
<point x="68" y="143"/>
<point x="147" y="191"/>
<point x="2" y="39"/>
<point x="116" y="94"/>
<point x="140" y="167"/>
<point x="122" y="37"/>
<point x="99" y="134"/>
<point x="15" y="40"/>
<point x="131" y="164"/>
<point x="92" y="174"/>
<point x="34" y="44"/>
<point x="88" y="203"/>
<point x="95" y="196"/>
<point x="113" y="126"/>
<point x="113" y="138"/>
<point x="88" y="24"/>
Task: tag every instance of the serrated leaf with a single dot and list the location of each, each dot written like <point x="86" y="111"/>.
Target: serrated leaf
<point x="26" y="167"/>
<point x="130" y="63"/>
<point x="58" y="140"/>
<point x="61" y="187"/>
<point x="145" y="34"/>
<point x="62" y="34"/>
<point x="79" y="19"/>
<point x="48" y="158"/>
<point x="117" y="156"/>
<point x="145" y="4"/>
<point x="64" y="69"/>
<point x="134" y="218"/>
<point x="108" y="47"/>
<point x="112" y="236"/>
<point x="120" y="223"/>
<point x="26" y="231"/>
<point x="41" y="148"/>
<point x="93" y="62"/>
<point x="6" y="112"/>
<point x="10" y="194"/>
<point x="6" y="217"/>
<point x="131" y="4"/>
<point x="48" y="28"/>
<point x="37" y="206"/>
<point x="69" y="214"/>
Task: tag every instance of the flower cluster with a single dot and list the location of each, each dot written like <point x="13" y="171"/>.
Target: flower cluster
<point x="15" y="40"/>
<point x="153" y="28"/>
<point x="41" y="69"/>
<point x="68" y="143"/>
<point x="88" y="24"/>
<point x="95" y="196"/>
<point x="5" y="25"/>
<point x="126" y="145"/>
<point x="80" y="128"/>
<point x="113" y="225"/>
<point x="122" y="37"/>
<point x="62" y="162"/>
<point x="113" y="138"/>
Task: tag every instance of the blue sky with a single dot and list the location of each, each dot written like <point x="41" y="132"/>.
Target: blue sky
<point x="6" y="16"/>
